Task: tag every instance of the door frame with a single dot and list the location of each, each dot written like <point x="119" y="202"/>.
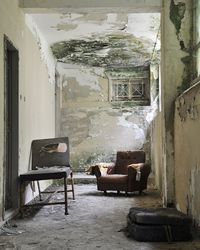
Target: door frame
<point x="11" y="128"/>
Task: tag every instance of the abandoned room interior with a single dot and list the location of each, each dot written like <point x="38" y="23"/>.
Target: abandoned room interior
<point x="111" y="76"/>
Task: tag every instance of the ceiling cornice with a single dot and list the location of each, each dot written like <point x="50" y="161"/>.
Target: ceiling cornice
<point x="108" y="6"/>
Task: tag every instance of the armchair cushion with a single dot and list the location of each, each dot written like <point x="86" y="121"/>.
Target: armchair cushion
<point x="114" y="178"/>
<point x="103" y="167"/>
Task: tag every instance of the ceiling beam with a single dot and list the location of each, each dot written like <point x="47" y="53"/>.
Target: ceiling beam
<point x="93" y="5"/>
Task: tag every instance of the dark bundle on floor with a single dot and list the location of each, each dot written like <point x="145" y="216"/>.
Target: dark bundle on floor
<point x="158" y="224"/>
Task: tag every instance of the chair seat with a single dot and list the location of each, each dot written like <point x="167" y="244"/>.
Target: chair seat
<point x="114" y="178"/>
<point x="46" y="174"/>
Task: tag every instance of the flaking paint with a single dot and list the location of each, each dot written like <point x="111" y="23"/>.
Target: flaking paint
<point x="95" y="127"/>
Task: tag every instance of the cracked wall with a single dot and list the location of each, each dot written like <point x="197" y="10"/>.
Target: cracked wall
<point x="186" y="130"/>
<point x="178" y="15"/>
<point x="176" y="75"/>
<point x="97" y="128"/>
<point x="187" y="158"/>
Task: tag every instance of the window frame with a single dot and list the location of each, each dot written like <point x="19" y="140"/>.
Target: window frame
<point x="130" y="82"/>
<point x="129" y="78"/>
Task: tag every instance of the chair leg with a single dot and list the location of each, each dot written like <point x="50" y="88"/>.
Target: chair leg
<point x="105" y="192"/>
<point x="65" y="191"/>
<point x="22" y="188"/>
<point x="72" y="183"/>
<point x="118" y="192"/>
<point x="39" y="190"/>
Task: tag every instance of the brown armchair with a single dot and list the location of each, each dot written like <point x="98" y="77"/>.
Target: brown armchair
<point x="129" y="174"/>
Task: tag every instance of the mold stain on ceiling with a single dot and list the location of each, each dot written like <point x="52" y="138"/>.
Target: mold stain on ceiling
<point x="102" y="40"/>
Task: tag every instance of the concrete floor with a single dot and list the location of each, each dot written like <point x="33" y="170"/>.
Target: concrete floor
<point x="95" y="221"/>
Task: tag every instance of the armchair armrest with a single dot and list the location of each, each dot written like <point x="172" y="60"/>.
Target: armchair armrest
<point x="138" y="175"/>
<point x="144" y="167"/>
<point x="96" y="171"/>
<point x="134" y="170"/>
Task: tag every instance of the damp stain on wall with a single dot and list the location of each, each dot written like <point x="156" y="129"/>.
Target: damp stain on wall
<point x="177" y="14"/>
<point x="97" y="127"/>
<point x="106" y="51"/>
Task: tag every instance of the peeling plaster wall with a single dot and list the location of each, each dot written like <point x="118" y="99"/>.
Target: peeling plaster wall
<point x="187" y="152"/>
<point x="197" y="37"/>
<point x="97" y="128"/>
<point x="175" y="75"/>
<point x="36" y="95"/>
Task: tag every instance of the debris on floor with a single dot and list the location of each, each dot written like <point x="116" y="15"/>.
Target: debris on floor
<point x="95" y="221"/>
<point x="10" y="229"/>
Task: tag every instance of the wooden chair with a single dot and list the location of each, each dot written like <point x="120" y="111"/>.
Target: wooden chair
<point x="50" y="160"/>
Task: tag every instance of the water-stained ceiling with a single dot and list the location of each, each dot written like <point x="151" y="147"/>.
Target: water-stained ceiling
<point x="100" y="39"/>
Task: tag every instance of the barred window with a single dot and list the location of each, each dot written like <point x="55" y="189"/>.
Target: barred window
<point x="128" y="89"/>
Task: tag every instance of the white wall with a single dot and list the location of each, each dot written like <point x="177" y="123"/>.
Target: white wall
<point x="36" y="94"/>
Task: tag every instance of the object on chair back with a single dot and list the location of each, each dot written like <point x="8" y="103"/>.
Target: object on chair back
<point x="129" y="174"/>
<point x="50" y="160"/>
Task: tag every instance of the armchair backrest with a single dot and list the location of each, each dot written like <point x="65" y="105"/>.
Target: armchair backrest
<point x="125" y="158"/>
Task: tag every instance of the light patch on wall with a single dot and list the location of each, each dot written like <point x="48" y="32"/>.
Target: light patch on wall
<point x="148" y="28"/>
<point x="112" y="18"/>
<point x="46" y="53"/>
<point x="84" y="76"/>
<point x="153" y="112"/>
<point x="105" y="134"/>
<point x="123" y="121"/>
<point x="155" y="70"/>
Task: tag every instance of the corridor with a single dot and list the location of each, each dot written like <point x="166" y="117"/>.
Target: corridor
<point x="95" y="221"/>
<point x="111" y="76"/>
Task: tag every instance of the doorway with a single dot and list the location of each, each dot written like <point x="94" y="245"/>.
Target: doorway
<point x="11" y="126"/>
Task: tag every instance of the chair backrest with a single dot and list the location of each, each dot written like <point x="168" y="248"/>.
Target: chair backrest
<point x="50" y="152"/>
<point x="125" y="158"/>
